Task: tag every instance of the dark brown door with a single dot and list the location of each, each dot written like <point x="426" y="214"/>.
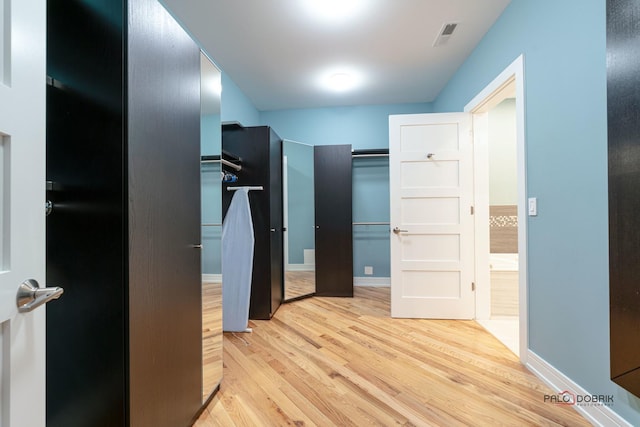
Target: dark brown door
<point x="623" y="104"/>
<point x="165" y="312"/>
<point x="276" y="221"/>
<point x="334" y="226"/>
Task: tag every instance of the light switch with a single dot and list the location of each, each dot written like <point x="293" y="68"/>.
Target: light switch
<point x="533" y="206"/>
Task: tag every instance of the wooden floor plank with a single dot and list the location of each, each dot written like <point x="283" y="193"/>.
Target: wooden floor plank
<point x="345" y="362"/>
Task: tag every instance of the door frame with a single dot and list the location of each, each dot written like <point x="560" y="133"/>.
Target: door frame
<point x="508" y="83"/>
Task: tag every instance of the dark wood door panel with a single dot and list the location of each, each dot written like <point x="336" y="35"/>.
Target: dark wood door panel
<point x="623" y="105"/>
<point x="334" y="223"/>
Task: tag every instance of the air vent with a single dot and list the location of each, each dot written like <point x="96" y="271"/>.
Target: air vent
<point x="448" y="29"/>
<point x="445" y="32"/>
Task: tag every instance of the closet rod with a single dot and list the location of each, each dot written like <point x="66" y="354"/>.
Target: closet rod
<point x="257" y="188"/>
<point x="224" y="162"/>
<point x="371" y="223"/>
<point x="218" y="159"/>
<point x="370" y="155"/>
<point x="231" y="165"/>
<point x="211" y="225"/>
<point x="371" y="152"/>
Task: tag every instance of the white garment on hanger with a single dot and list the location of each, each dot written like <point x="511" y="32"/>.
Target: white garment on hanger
<point x="237" y="262"/>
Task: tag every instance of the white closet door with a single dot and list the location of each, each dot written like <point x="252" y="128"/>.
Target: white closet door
<point x="431" y="185"/>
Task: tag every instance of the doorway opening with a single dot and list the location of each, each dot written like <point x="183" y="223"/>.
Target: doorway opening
<point x="500" y="198"/>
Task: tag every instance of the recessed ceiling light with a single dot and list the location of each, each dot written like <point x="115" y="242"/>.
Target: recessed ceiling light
<point x="341" y="81"/>
<point x="334" y="10"/>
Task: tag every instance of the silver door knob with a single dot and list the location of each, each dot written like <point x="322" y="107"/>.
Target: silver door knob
<point x="398" y="231"/>
<point x="31" y="295"/>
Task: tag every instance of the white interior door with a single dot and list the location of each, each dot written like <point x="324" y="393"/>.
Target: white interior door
<point x="431" y="186"/>
<point x="22" y="215"/>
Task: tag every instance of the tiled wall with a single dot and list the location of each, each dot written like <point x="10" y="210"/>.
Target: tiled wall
<point x="503" y="222"/>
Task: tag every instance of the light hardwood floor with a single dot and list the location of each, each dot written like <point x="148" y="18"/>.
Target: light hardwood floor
<point x="211" y="336"/>
<point x="299" y="283"/>
<point x="345" y="362"/>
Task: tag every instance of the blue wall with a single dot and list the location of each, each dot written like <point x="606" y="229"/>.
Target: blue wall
<point x="361" y="126"/>
<point x="211" y="214"/>
<point x="211" y="205"/>
<point x="236" y="107"/>
<point x="300" y="186"/>
<point x="564" y="46"/>
<point x="210" y="135"/>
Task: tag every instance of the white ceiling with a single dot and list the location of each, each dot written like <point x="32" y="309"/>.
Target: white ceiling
<point x="278" y="52"/>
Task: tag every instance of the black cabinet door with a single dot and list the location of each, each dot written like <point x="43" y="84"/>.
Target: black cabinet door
<point x="260" y="151"/>
<point x="334" y="223"/>
<point x="276" y="220"/>
<point x="623" y="104"/>
<point x="165" y="311"/>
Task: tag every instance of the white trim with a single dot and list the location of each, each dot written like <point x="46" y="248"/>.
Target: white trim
<point x="215" y="278"/>
<point x="510" y="80"/>
<point x="481" y="225"/>
<point x="485" y="100"/>
<point x="301" y="267"/>
<point x="374" y="282"/>
<point x="596" y="415"/>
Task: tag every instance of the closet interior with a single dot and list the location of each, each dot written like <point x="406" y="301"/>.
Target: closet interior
<point x="302" y="220"/>
<point x="258" y="153"/>
<point x="371" y="227"/>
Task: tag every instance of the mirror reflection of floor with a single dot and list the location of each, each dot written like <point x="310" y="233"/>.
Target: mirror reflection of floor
<point x="211" y="336"/>
<point x="299" y="283"/>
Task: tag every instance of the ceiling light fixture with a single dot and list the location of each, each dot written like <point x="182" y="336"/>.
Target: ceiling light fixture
<point x="341" y="82"/>
<point x="342" y="78"/>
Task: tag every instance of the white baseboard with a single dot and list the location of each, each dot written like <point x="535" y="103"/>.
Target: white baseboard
<point x="300" y="267"/>
<point x="597" y="415"/>
<point x="376" y="282"/>
<point x="215" y="278"/>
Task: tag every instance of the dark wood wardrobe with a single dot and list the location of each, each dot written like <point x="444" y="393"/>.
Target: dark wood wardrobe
<point x="259" y="151"/>
<point x="124" y="345"/>
<point x="623" y="105"/>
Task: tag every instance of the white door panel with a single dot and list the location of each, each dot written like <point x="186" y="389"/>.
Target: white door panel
<point x="431" y="184"/>
<point x="22" y="218"/>
<point x="441" y="210"/>
<point x="432" y="137"/>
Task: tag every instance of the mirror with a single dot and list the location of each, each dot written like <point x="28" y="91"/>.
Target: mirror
<point x="211" y="204"/>
<point x="299" y="220"/>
